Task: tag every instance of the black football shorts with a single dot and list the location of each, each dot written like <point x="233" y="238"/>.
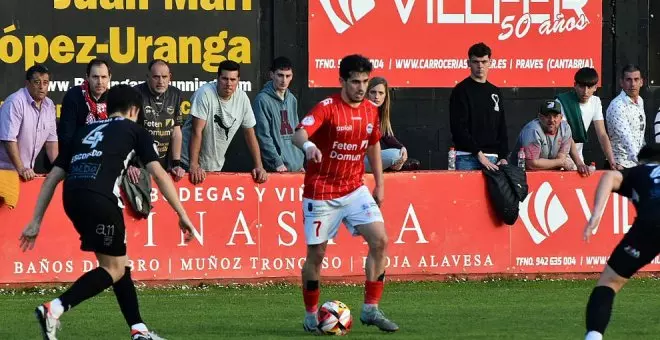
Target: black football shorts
<point x="639" y="246"/>
<point x="98" y="220"/>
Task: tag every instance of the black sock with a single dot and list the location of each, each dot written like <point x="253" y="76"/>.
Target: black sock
<point x="312" y="285"/>
<point x="127" y="298"/>
<point x="599" y="309"/>
<point x="87" y="286"/>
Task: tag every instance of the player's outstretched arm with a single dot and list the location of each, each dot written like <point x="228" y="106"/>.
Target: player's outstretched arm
<point x="609" y="182"/>
<point x="31" y="231"/>
<point x="54" y="177"/>
<point x="301" y="140"/>
<point x="374" y="156"/>
<point x="166" y="186"/>
<point x="300" y="137"/>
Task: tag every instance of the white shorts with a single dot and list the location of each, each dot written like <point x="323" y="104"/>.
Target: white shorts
<point x="323" y="217"/>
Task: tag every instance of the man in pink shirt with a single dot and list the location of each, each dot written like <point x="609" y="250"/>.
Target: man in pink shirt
<point x="27" y="123"/>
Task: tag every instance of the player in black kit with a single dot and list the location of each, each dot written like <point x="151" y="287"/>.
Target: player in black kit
<point x="91" y="169"/>
<point x="639" y="246"/>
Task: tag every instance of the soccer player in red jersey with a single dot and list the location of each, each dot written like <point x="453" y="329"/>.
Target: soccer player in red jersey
<point x="335" y="136"/>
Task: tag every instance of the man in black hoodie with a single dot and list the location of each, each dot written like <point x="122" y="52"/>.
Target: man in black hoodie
<point x="476" y="116"/>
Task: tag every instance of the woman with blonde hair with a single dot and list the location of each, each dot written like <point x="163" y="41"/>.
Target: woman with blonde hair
<point x="394" y="154"/>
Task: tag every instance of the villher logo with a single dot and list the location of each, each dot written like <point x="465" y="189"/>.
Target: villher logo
<point x="352" y="12"/>
<point x="550" y="213"/>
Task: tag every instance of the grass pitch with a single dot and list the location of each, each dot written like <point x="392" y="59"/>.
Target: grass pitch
<point x="497" y="309"/>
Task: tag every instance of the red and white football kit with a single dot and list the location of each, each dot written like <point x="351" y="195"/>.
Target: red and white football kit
<point x="334" y="190"/>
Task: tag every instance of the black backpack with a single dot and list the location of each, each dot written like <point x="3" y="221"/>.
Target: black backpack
<point x="507" y="187"/>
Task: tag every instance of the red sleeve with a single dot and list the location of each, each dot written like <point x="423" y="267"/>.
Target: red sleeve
<point x="375" y="132"/>
<point x="316" y="117"/>
<point x="532" y="151"/>
<point x="566" y="146"/>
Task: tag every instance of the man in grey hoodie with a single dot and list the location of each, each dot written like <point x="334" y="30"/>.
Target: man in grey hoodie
<point x="276" y="111"/>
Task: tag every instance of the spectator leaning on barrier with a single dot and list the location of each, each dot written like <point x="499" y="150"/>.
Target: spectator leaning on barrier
<point x="276" y="113"/>
<point x="27" y="123"/>
<point x="580" y="107"/>
<point x="86" y="103"/>
<point x="394" y="155"/>
<point x="161" y="110"/>
<point x="626" y="120"/>
<point x="217" y="110"/>
<point x="476" y="116"/>
<point x="546" y="140"/>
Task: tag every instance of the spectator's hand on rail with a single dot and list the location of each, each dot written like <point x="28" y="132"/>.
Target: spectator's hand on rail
<point x="259" y="175"/>
<point x="486" y="162"/>
<point x="197" y="174"/>
<point x="583" y="169"/>
<point x="27" y="174"/>
<point x="178" y="173"/>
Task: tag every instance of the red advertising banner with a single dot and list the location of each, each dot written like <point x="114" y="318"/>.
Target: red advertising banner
<point x="535" y="43"/>
<point x="437" y="223"/>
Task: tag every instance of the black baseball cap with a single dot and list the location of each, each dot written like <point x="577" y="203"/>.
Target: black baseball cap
<point x="550" y="107"/>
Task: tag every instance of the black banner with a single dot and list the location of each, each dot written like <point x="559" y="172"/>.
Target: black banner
<point x="194" y="36"/>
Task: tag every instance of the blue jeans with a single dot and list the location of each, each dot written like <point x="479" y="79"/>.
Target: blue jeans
<point x="388" y="158"/>
<point x="471" y="162"/>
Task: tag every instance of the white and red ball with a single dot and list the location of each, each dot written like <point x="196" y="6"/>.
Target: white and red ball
<point x="335" y="318"/>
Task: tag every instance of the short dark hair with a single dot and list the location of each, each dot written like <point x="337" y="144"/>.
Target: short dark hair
<point x="157" y="61"/>
<point x="354" y="63"/>
<point x="229" y="65"/>
<point x="123" y="97"/>
<point x="586" y="76"/>
<point x="281" y="63"/>
<point x="630" y="68"/>
<point x="38" y="68"/>
<point x="97" y="62"/>
<point x="479" y="50"/>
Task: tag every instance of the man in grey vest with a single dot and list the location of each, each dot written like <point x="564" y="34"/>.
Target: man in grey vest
<point x="546" y="140"/>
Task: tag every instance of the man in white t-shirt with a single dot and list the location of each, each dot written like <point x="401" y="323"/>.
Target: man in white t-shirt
<point x="580" y="108"/>
<point x="217" y="111"/>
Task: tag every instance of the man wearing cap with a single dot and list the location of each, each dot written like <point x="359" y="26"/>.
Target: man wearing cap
<point x="546" y="140"/>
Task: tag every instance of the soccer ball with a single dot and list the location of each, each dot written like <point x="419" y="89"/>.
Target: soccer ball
<point x="335" y="318"/>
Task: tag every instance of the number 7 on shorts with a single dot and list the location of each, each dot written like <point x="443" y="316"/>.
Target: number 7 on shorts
<point x="318" y="227"/>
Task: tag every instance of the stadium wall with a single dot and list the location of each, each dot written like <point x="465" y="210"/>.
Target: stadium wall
<point x="196" y="35"/>
<point x="439" y="224"/>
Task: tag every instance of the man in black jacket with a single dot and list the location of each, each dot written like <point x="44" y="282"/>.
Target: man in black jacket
<point x="161" y="107"/>
<point x="477" y="118"/>
<point x="86" y="103"/>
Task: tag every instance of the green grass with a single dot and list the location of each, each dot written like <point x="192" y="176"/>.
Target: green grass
<point x="430" y="310"/>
